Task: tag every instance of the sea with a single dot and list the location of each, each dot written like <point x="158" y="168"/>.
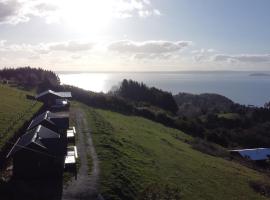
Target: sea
<point x="244" y="87"/>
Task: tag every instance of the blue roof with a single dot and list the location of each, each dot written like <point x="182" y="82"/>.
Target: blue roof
<point x="254" y="154"/>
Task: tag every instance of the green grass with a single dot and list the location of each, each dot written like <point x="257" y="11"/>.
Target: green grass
<point x="232" y="116"/>
<point x="137" y="154"/>
<point x="15" y="110"/>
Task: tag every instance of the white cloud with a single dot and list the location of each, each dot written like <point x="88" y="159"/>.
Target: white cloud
<point x="153" y="49"/>
<point x="71" y="46"/>
<point x="202" y="55"/>
<point x="11" y="11"/>
<point x="142" y="49"/>
<point x="245" y="58"/>
<point x="16" y="11"/>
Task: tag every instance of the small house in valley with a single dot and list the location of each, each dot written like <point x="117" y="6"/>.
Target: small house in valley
<point x="38" y="153"/>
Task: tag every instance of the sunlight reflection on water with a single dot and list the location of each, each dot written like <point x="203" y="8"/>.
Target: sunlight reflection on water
<point x="90" y="81"/>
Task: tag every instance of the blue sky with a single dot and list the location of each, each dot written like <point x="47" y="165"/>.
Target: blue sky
<point x="135" y="34"/>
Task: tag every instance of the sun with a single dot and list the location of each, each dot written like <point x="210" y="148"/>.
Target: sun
<point x="92" y="15"/>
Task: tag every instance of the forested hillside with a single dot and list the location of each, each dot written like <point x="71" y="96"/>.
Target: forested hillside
<point x="193" y="105"/>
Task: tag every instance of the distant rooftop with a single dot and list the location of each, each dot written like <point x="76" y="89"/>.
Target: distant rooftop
<point x="254" y="154"/>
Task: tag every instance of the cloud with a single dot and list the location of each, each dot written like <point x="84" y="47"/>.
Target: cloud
<point x="148" y="47"/>
<point x="245" y="58"/>
<point x="153" y="49"/>
<point x="72" y="46"/>
<point x="202" y="55"/>
<point x="17" y="11"/>
<point x="11" y="12"/>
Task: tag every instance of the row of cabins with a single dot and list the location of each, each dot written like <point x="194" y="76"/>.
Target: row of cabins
<point x="43" y="150"/>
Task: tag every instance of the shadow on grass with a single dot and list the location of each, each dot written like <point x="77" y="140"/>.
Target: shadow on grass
<point x="45" y="188"/>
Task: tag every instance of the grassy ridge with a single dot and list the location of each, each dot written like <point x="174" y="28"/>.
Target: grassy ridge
<point x="15" y="109"/>
<point x="135" y="153"/>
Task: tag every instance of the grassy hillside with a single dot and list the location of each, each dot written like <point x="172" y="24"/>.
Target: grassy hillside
<point x="15" y="109"/>
<point x="139" y="155"/>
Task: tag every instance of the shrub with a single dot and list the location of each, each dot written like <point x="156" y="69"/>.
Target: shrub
<point x="261" y="187"/>
<point x="161" y="192"/>
<point x="209" y="148"/>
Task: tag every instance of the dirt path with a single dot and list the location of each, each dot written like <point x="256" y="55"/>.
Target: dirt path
<point x="86" y="186"/>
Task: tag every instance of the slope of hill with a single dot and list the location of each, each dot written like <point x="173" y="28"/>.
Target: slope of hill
<point x="201" y="104"/>
<point x="138" y="156"/>
<point x="15" y="110"/>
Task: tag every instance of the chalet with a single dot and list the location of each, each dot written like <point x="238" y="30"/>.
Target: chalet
<point x="37" y="154"/>
<point x="57" y="122"/>
<point x="256" y="154"/>
<point x="44" y="120"/>
<point x="54" y="99"/>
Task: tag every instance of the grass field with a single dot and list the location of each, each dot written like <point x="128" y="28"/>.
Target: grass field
<point x="139" y="155"/>
<point x="231" y="116"/>
<point x="15" y="109"/>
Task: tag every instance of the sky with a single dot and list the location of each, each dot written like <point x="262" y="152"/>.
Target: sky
<point x="135" y="35"/>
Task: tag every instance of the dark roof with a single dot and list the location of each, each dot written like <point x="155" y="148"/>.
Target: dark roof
<point x="35" y="136"/>
<point x="42" y="117"/>
<point x="48" y="117"/>
<point x="254" y="154"/>
<point x="57" y="94"/>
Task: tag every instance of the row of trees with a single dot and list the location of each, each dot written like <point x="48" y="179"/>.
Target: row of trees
<point x="30" y="77"/>
<point x="139" y="92"/>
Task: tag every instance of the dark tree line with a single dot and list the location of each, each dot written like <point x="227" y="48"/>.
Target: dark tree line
<point x="30" y="77"/>
<point x="139" y="92"/>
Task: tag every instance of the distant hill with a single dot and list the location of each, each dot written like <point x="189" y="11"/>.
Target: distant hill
<point x="259" y="74"/>
<point x="201" y="104"/>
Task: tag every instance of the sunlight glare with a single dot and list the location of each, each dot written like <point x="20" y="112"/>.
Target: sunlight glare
<point x="87" y="14"/>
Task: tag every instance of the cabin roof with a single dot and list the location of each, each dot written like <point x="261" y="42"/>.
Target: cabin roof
<point x="35" y="136"/>
<point x="46" y="116"/>
<point x="37" y="120"/>
<point x="254" y="154"/>
<point x="57" y="94"/>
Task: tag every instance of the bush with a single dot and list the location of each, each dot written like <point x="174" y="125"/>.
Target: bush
<point x="161" y="192"/>
<point x="209" y="148"/>
<point x="261" y="187"/>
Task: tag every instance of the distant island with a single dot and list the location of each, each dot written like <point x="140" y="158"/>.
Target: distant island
<point x="260" y="74"/>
